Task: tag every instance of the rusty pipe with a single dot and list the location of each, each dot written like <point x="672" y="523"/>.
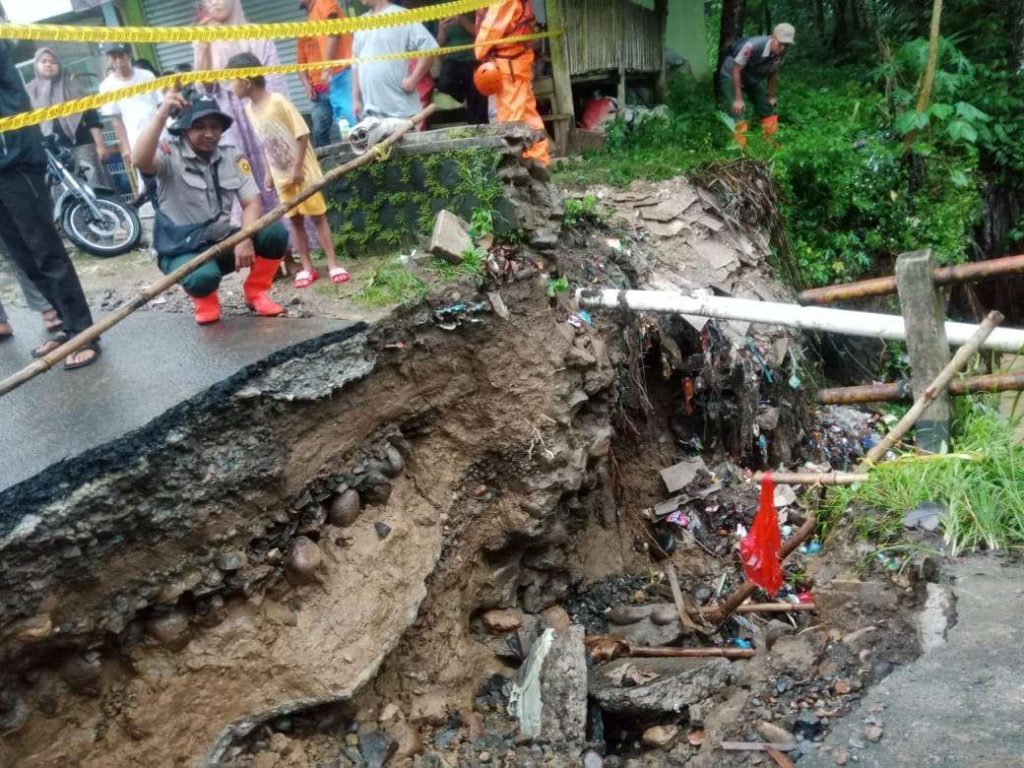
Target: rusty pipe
<point x="900" y="391"/>
<point x="882" y="286"/>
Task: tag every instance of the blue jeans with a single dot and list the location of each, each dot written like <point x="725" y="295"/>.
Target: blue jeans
<point x="324" y="129"/>
<point x="340" y="92"/>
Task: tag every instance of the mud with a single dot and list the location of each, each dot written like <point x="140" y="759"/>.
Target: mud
<point x="293" y="569"/>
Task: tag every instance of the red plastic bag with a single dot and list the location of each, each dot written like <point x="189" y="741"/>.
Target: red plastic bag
<point x="760" y="548"/>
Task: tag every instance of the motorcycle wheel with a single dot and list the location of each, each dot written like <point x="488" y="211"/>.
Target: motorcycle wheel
<point x="117" y="232"/>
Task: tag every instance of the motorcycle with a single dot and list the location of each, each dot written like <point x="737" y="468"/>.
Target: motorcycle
<point x="94" y="219"/>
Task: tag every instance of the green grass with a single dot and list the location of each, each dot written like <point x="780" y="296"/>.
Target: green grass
<point x="391" y="284"/>
<point x="981" y="483"/>
<point x="472" y="265"/>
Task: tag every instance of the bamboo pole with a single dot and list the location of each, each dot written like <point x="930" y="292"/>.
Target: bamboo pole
<point x="896" y="391"/>
<point x="979" y="271"/>
<point x="960" y="359"/>
<point x="147" y="294"/>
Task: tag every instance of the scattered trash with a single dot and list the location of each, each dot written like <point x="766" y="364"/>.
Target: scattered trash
<point x="739" y="642"/>
<point x="811" y="548"/>
<point x="785" y="496"/>
<point x="451" y="317"/>
<point x="680" y="476"/>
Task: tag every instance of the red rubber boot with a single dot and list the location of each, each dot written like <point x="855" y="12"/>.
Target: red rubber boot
<point x="207" y="308"/>
<point x="261" y="275"/>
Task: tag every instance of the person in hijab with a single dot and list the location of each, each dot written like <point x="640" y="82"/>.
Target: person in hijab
<point x="83" y="130"/>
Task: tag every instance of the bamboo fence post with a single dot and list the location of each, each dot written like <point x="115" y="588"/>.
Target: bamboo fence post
<point x="960" y="359"/>
<point x="150" y="292"/>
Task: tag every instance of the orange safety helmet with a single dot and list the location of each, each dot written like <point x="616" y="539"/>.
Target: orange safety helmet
<point x="487" y="78"/>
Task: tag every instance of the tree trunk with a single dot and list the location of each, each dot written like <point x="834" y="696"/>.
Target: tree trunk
<point x="841" y="32"/>
<point x="733" y="15"/>
<point x="925" y="96"/>
<point x="1015" y="21"/>
<point x="819" y="17"/>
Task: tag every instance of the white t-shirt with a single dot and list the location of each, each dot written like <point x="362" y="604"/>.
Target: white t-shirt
<point x="137" y="111"/>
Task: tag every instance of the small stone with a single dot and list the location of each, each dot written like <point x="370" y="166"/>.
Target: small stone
<point x="82" y="671"/>
<point x="857" y="743"/>
<point x="352" y="739"/>
<point x="344" y="508"/>
<point x="266" y="760"/>
<point x="841" y="688"/>
<point x="304" y="558"/>
<point x="396" y="462"/>
<point x="280" y="744"/>
<point x="808" y="726"/>
<point x="232" y="561"/>
<point x="696" y="737"/>
<point x="842" y="757"/>
<point x="484" y="757"/>
<point x="390" y="713"/>
<point x="170" y="630"/>
<point x="661" y="736"/>
<point x="774" y="733"/>
<point x="702" y="595"/>
<point x="592" y="760"/>
<point x="383" y="530"/>
<point x="874" y="733"/>
<point x="500" y="621"/>
<point x="377" y="748"/>
<point x="639" y="597"/>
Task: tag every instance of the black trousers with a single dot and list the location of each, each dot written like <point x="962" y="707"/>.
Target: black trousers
<point x="456" y="80"/>
<point x="28" y="231"/>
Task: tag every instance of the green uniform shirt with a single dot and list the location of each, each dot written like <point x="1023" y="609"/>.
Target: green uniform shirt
<point x="186" y="192"/>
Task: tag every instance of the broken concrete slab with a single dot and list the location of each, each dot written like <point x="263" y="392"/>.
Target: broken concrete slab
<point x="684" y="474"/>
<point x="450" y="238"/>
<point x="670" y="209"/>
<point x="549" y="696"/>
<point x="671" y="229"/>
<point x="679" y="683"/>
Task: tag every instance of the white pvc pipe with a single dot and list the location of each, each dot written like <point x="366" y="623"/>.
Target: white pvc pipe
<point x="846" y="321"/>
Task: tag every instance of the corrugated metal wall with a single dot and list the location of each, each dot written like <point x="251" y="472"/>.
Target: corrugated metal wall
<point x="600" y="31"/>
<point x="173" y="13"/>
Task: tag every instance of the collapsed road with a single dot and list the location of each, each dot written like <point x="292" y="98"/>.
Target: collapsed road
<point x="423" y="541"/>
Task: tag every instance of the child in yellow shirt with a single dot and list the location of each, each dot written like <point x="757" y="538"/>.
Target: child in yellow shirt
<point x="291" y="165"/>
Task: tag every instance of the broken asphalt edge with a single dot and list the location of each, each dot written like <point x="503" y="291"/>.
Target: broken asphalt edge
<point x="64" y="477"/>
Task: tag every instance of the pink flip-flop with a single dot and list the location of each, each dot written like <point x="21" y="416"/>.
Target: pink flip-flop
<point x="340" y="275"/>
<point x="304" y="278"/>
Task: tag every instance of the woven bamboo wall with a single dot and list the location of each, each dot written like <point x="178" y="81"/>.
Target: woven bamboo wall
<point x="598" y="32"/>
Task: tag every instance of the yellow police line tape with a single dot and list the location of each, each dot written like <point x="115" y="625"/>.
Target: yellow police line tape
<point x="95" y="101"/>
<point x="209" y="33"/>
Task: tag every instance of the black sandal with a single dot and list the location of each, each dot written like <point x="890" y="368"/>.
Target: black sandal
<point x="92" y="346"/>
<point x="48" y="346"/>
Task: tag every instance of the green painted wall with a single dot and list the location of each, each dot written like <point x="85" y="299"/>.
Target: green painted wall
<point x="687" y="35"/>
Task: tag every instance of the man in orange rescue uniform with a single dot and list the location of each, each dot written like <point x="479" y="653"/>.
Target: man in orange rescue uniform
<point x="514" y="96"/>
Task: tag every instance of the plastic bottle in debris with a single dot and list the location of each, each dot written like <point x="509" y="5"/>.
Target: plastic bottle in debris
<point x="344" y="128"/>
